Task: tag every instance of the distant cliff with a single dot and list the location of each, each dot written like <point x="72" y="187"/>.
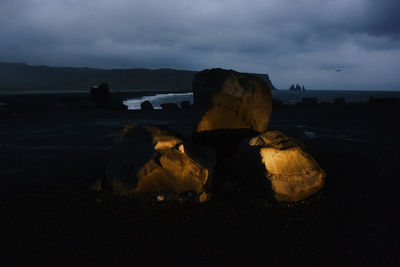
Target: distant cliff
<point x="14" y="76"/>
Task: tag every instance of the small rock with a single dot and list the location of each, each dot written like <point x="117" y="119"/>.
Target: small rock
<point x="203" y="197"/>
<point x="146" y="105"/>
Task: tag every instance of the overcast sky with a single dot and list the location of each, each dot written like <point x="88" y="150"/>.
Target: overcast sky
<point x="294" y="41"/>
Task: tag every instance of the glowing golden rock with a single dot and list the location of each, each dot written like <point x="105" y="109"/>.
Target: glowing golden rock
<point x="226" y="99"/>
<point x="290" y="173"/>
<point x="151" y="159"/>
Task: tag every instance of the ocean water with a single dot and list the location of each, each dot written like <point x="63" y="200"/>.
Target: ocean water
<point x="158" y="99"/>
<point x="288" y="97"/>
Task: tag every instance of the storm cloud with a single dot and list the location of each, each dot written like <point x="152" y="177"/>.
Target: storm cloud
<point x="294" y="41"/>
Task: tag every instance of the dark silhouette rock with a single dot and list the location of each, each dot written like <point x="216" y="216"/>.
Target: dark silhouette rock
<point x="100" y="95"/>
<point x="151" y="159"/>
<point x="279" y="166"/>
<point x="146" y="105"/>
<point x="185" y="104"/>
<point x="169" y="106"/>
<point x="296" y="88"/>
<point x="102" y="98"/>
<point x="101" y="90"/>
<point x="309" y="101"/>
<point x="226" y="99"/>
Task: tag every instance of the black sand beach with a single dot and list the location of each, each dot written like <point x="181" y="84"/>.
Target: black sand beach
<point x="50" y="157"/>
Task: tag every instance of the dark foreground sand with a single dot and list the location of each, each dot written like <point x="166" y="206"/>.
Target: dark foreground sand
<point x="48" y="217"/>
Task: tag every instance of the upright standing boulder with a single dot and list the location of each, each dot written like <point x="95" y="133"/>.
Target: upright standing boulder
<point x="229" y="106"/>
<point x="152" y="159"/>
<point x="280" y="165"/>
<point x="100" y="95"/>
<point x="226" y="99"/>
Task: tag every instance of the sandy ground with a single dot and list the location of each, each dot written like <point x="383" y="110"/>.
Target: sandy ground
<point x="48" y="217"/>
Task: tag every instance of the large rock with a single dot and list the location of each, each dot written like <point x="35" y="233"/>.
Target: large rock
<point x="100" y="95"/>
<point x="279" y="165"/>
<point x="151" y="159"/>
<point x="226" y="99"/>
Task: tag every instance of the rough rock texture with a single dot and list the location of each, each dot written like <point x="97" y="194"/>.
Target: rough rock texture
<point x="226" y="99"/>
<point x="151" y="159"/>
<point x="281" y="165"/>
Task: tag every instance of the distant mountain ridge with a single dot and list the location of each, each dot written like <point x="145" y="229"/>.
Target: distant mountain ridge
<point x="21" y="76"/>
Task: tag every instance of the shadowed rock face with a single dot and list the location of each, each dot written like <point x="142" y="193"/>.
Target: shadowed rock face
<point x="226" y="99"/>
<point x="151" y="159"/>
<point x="278" y="162"/>
<point x="100" y="95"/>
<point x="146" y="105"/>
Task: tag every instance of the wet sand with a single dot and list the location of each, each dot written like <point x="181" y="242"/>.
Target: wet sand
<point x="49" y="217"/>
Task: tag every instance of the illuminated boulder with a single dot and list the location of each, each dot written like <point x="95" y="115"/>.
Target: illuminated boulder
<point x="280" y="166"/>
<point x="152" y="159"/>
<point x="226" y="99"/>
<point x="229" y="107"/>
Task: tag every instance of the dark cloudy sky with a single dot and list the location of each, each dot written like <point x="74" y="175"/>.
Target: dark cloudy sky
<point x="295" y="41"/>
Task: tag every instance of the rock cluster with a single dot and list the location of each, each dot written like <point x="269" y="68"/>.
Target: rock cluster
<point x="232" y="111"/>
<point x="153" y="159"/>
